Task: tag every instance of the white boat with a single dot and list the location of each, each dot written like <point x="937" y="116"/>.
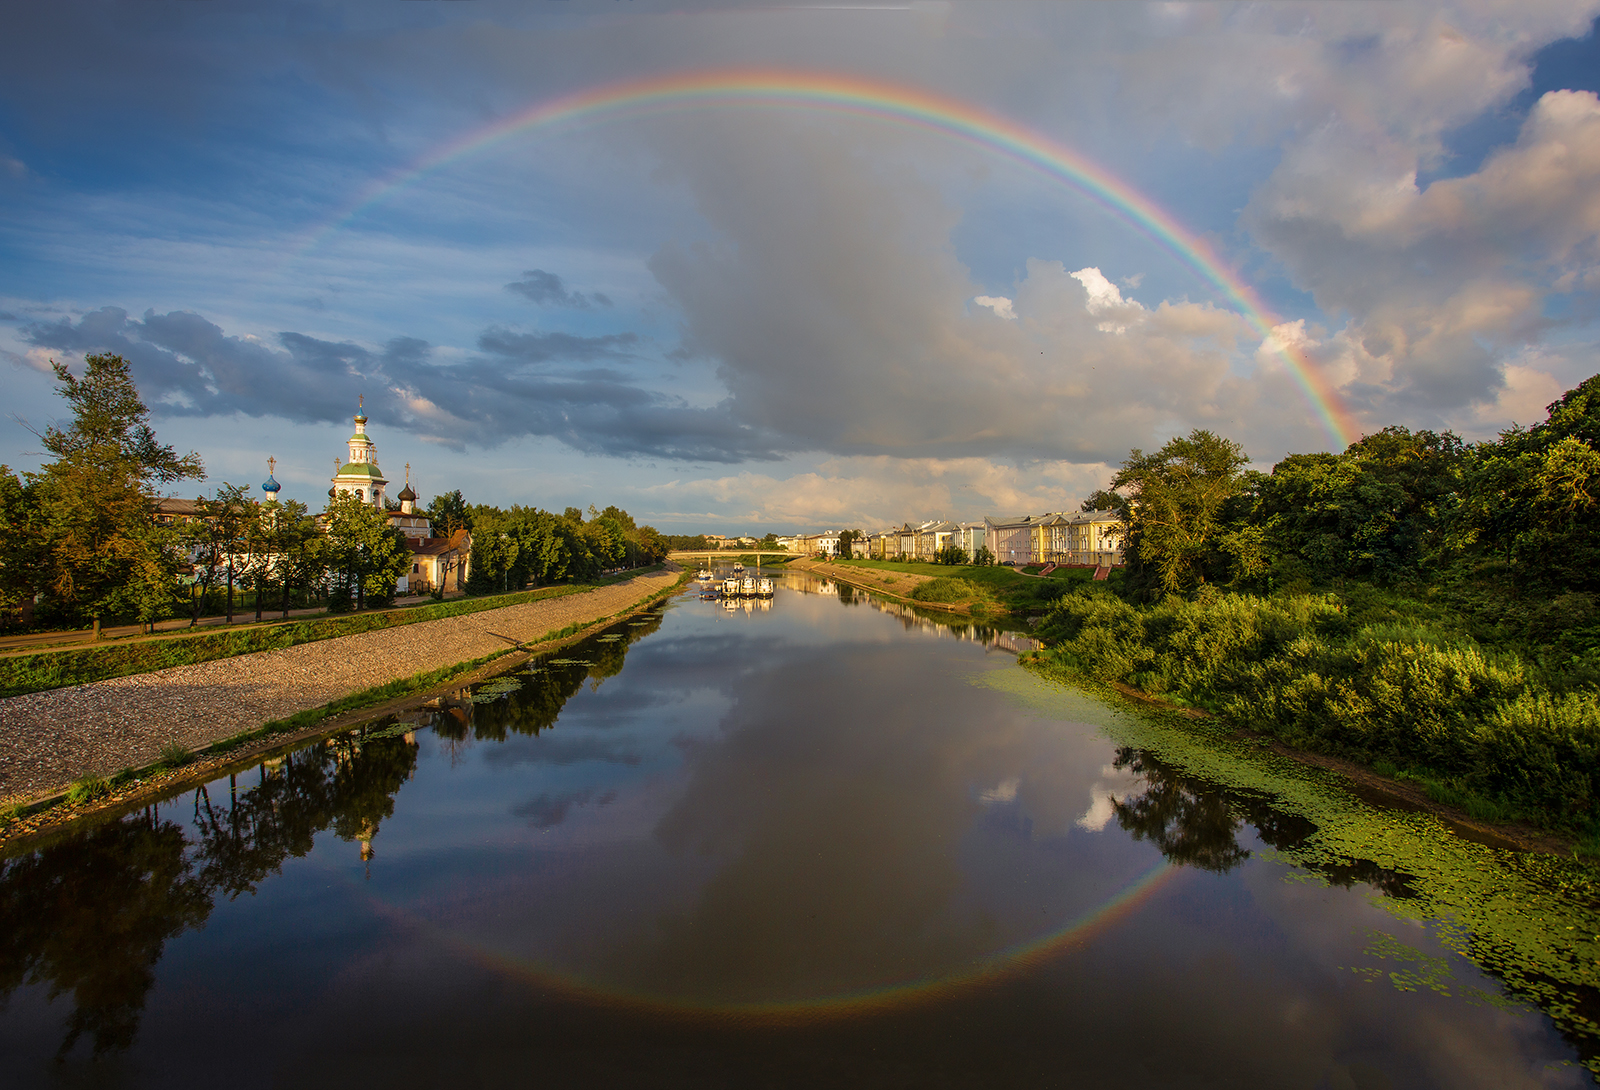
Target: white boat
<point x="704" y="575"/>
<point x="747" y="587"/>
<point x="763" y="588"/>
<point x="738" y="567"/>
<point x="730" y="588"/>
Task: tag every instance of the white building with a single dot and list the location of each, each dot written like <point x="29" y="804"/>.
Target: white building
<point x="360" y="476"/>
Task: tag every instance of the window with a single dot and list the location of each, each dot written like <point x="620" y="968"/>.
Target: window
<point x="359" y="496"/>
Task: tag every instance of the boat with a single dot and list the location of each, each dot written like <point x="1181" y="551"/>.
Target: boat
<point x="747" y="587"/>
<point x="730" y="588"/>
<point x="763" y="588"/>
<point x="704" y="575"/>
<point x="738" y="567"/>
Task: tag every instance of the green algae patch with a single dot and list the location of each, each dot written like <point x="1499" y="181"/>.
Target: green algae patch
<point x="1530" y="920"/>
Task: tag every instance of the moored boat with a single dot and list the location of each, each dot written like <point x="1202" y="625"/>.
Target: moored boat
<point x="747" y="587"/>
<point x="763" y="588"/>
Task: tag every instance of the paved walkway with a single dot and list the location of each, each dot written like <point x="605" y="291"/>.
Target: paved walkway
<point x="49" y="739"/>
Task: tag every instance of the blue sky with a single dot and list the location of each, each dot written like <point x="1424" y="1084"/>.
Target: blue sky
<point x="766" y="319"/>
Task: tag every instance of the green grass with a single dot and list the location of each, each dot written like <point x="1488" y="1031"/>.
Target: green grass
<point x="954" y="590"/>
<point x="76" y="666"/>
<point x="1009" y="588"/>
<point x="87" y="789"/>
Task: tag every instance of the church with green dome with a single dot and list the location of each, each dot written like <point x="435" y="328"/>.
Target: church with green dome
<point x="360" y="476"/>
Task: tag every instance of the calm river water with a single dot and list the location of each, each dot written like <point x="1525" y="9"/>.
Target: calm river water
<point x="813" y="842"/>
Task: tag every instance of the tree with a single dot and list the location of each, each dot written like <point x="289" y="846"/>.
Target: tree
<point x="1533" y="498"/>
<point x="298" y="548"/>
<point x="23" y="570"/>
<point x="1102" y="499"/>
<point x="213" y="540"/>
<point x="449" y="513"/>
<point x="984" y="557"/>
<point x="1176" y="499"/>
<point x="950" y="554"/>
<point x="366" y="553"/>
<point x="1377" y="511"/>
<point x="95" y="500"/>
<point x="847" y="542"/>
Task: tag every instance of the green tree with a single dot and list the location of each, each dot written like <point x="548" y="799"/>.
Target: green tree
<point x="213" y="539"/>
<point x="1177" y="498"/>
<point x="367" y="555"/>
<point x="23" y="567"/>
<point x="847" y="542"/>
<point x="1103" y="500"/>
<point x="950" y="554"/>
<point x="984" y="557"/>
<point x="449" y="513"/>
<point x="1378" y="511"/>
<point x="95" y="500"/>
<point x="298" y="548"/>
<point x="1533" y="498"/>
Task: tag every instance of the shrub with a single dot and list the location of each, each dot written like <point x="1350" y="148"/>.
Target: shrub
<point x="1396" y="694"/>
<point x="87" y="789"/>
<point x="950" y="589"/>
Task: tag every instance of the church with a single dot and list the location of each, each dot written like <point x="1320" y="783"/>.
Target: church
<point x="436" y="562"/>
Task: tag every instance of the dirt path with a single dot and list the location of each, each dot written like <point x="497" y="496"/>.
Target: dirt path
<point x="49" y="739"/>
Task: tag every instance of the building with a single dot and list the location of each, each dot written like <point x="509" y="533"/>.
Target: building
<point x="360" y="476"/>
<point x="1077" y="538"/>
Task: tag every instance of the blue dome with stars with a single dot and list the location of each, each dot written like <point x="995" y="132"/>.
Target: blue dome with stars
<point x="271" y="485"/>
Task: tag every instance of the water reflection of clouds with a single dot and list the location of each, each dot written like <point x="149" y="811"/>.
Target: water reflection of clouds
<point x="1113" y="785"/>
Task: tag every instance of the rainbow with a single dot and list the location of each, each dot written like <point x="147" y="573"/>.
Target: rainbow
<point x="899" y="104"/>
<point x="991" y="970"/>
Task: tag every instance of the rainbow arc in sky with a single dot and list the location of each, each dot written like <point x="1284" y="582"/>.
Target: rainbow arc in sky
<point x="904" y="105"/>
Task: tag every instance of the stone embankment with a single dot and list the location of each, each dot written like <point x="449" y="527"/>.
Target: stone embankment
<point x="50" y="739"/>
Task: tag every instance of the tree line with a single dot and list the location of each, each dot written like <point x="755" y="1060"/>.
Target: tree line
<point x="1397" y="508"/>
<point x="81" y="542"/>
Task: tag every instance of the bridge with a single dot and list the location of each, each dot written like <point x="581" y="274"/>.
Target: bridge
<point x="729" y="554"/>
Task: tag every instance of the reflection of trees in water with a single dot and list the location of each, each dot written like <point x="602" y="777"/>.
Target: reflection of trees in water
<point x="1196" y="822"/>
<point x="535" y="707"/>
<point x="91" y="914"/>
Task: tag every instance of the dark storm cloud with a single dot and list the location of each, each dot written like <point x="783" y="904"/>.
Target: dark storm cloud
<point x="545" y="288"/>
<point x="186" y="365"/>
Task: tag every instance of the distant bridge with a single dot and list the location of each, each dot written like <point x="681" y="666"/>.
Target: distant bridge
<point x="727" y="554"/>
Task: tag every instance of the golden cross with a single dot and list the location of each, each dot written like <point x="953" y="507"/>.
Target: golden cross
<point x="361" y="401"/>
<point x="408" y="474"/>
<point x="272" y="465"/>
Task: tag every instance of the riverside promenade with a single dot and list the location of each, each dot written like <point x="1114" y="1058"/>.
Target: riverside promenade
<point x="49" y="739"/>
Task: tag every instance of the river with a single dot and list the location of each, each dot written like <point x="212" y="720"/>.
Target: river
<point x="817" y="841"/>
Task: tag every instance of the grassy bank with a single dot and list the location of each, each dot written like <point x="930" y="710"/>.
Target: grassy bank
<point x="43" y="670"/>
<point x="1412" y="695"/>
<point x="998" y="588"/>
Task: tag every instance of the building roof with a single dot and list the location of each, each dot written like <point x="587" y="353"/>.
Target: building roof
<point x="361" y="469"/>
<point x="172" y="505"/>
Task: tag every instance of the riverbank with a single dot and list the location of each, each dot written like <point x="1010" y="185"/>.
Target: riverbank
<point x="102" y="731"/>
<point x="1484" y="734"/>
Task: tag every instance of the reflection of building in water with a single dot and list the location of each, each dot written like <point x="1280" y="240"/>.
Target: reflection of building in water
<point x="995" y="638"/>
<point x="748" y="605"/>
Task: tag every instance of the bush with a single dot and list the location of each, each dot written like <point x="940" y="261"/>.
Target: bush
<point x="1401" y="694"/>
<point x="950" y="589"/>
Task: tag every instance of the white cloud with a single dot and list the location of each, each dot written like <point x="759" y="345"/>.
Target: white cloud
<point x="999" y="304"/>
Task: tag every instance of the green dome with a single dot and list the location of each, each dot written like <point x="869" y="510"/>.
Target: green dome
<point x="359" y="438"/>
<point x="361" y="469"/>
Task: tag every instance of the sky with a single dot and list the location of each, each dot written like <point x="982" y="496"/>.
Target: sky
<point x="741" y="268"/>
